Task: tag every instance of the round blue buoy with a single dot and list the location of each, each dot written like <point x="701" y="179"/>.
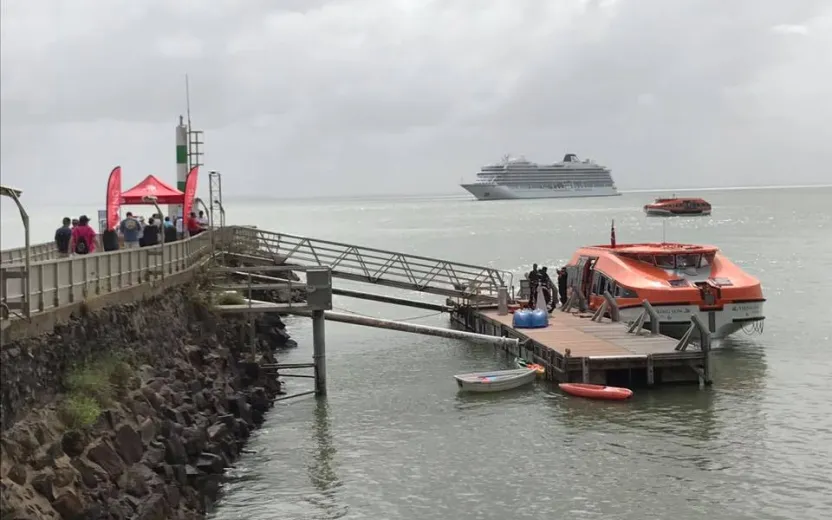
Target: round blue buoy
<point x="522" y="319"/>
<point x="539" y="318"/>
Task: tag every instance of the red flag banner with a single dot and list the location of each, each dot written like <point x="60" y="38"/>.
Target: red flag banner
<point x="113" y="197"/>
<point x="612" y="235"/>
<point x="190" y="192"/>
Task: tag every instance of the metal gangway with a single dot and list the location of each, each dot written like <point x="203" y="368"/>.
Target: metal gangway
<point x="375" y="266"/>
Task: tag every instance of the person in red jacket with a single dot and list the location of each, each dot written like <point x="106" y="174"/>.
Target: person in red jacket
<point x="83" y="237"/>
<point x="192" y="224"/>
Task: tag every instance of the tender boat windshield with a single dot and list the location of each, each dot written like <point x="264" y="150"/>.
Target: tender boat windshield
<point x="685" y="261"/>
<point x="707" y="259"/>
<point x="665" y="261"/>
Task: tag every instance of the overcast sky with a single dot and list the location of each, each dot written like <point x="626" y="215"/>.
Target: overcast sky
<point x="350" y="97"/>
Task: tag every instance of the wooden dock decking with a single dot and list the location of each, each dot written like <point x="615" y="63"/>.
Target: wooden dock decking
<point x="575" y="348"/>
<point x="584" y="337"/>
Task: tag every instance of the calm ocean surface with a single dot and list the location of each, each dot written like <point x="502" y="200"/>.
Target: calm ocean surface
<point x="394" y="439"/>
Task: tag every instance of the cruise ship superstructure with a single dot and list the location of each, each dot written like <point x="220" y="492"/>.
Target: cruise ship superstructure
<point x="517" y="178"/>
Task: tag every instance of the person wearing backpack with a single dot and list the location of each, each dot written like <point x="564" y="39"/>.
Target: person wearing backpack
<point x="83" y="237"/>
<point x="62" y="238"/>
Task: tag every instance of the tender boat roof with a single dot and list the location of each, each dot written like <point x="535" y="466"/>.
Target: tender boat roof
<point x="623" y="264"/>
<point x="657" y="248"/>
<point x="671" y="199"/>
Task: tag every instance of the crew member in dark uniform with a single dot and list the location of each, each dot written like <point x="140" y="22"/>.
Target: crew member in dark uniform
<point x="548" y="287"/>
<point x="562" y="285"/>
<point x="534" y="280"/>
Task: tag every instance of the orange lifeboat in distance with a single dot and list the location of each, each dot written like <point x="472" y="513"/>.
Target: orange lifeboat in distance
<point x="678" y="206"/>
<point x="608" y="393"/>
<point x="679" y="280"/>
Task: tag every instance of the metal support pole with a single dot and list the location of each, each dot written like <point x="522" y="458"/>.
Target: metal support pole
<point x="15" y="194"/>
<point x="540" y="304"/>
<point x="404" y="326"/>
<point x="612" y="305"/>
<point x="201" y="203"/>
<point x="705" y="346"/>
<point x="502" y="300"/>
<point x="251" y="327"/>
<point x="222" y="214"/>
<point x="319" y="351"/>
<point x="654" y="318"/>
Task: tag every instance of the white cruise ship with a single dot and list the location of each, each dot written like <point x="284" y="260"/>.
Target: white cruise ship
<point x="517" y="178"/>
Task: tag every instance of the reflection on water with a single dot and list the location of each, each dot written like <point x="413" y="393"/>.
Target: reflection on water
<point x="321" y="465"/>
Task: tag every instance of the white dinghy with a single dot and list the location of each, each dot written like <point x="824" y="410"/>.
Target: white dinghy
<point x="495" y="381"/>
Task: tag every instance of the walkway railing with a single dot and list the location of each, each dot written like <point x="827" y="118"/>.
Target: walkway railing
<point x="58" y="282"/>
<point x="40" y="252"/>
<point x="377" y="266"/>
<point x="54" y="282"/>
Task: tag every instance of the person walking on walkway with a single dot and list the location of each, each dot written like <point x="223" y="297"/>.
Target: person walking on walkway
<point x="63" y="236"/>
<point x="131" y="231"/>
<point x="151" y="233"/>
<point x="83" y="237"/>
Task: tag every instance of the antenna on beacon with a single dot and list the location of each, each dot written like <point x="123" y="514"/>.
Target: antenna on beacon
<point x="188" y="100"/>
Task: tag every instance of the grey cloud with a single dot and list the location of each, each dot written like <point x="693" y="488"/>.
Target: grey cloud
<point x="338" y="97"/>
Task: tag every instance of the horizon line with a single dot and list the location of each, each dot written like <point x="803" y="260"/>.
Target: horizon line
<point x="465" y="195"/>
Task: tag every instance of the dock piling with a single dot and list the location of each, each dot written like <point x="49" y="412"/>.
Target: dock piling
<point x="613" y="306"/>
<point x="654" y="317"/>
<point x="319" y="351"/>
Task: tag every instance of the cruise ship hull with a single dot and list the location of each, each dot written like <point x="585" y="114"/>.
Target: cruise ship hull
<point x="483" y="191"/>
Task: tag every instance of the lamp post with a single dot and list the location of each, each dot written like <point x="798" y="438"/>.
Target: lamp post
<point x="222" y="219"/>
<point x="15" y="194"/>
<point x="222" y="213"/>
<point x="152" y="199"/>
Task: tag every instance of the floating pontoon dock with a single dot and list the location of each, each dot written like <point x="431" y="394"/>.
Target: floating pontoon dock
<point x="577" y="347"/>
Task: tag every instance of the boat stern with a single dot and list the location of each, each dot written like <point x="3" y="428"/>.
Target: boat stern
<point x="675" y="320"/>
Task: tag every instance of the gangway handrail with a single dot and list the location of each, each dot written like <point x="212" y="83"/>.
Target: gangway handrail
<point x="374" y="265"/>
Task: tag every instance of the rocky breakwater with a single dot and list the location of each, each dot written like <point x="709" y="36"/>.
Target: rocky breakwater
<point x="137" y="430"/>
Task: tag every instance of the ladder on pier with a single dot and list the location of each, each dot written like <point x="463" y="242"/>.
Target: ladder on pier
<point x="370" y="265"/>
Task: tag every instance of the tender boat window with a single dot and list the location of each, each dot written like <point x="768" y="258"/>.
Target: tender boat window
<point x="678" y="283"/>
<point x="646" y="258"/>
<point x="707" y="259"/>
<point x="665" y="261"/>
<point x="623" y="292"/>
<point x="600" y="284"/>
<point x="685" y="261"/>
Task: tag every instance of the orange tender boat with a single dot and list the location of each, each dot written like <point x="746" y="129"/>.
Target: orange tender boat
<point x="609" y="393"/>
<point x="678" y="206"/>
<point x="679" y="280"/>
